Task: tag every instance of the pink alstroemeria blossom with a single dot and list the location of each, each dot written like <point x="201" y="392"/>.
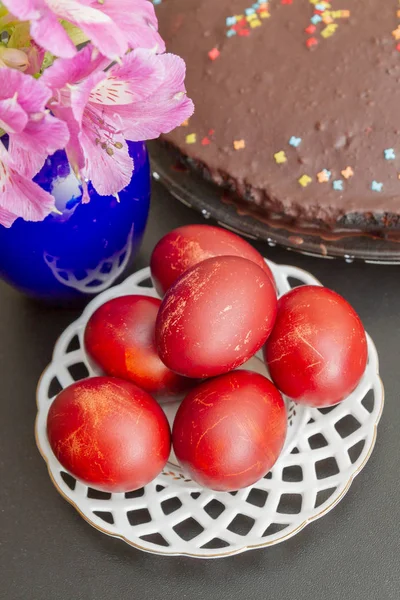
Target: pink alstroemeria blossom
<point x="135" y="100"/>
<point x="113" y="26"/>
<point x="19" y="195"/>
<point x="33" y="134"/>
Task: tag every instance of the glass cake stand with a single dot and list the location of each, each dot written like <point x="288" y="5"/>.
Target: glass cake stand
<point x="211" y="201"/>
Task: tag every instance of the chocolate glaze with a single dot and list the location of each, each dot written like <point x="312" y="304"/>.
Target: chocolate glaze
<point x="342" y="98"/>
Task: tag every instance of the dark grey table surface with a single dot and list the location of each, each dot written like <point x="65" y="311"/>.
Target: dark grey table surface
<point x="48" y="552"/>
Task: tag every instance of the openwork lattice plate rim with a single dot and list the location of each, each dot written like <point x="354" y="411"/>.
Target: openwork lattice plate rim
<point x="303" y="420"/>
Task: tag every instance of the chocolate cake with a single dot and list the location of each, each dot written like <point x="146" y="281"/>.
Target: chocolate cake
<point x="297" y="105"/>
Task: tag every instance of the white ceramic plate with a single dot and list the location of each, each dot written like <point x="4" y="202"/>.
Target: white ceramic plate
<point x="324" y="450"/>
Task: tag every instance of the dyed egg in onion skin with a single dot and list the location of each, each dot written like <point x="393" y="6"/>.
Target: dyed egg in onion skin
<point x="120" y="339"/>
<point x="189" y="245"/>
<point x="109" y="434"/>
<point x="215" y="317"/>
<point x="229" y="431"/>
<point x="317" y="352"/>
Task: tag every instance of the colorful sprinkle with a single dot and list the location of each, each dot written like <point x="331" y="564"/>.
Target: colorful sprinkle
<point x="191" y="138"/>
<point x="214" y="53"/>
<point x="243" y="24"/>
<point x="185" y="123"/>
<point x="324" y="176"/>
<point x="315" y="19"/>
<point x="305" y="180"/>
<point x="239" y="144"/>
<point x="323" y="14"/>
<point x="376" y="186"/>
<point x="338" y="185"/>
<point x="295" y="141"/>
<point x="206" y="141"/>
<point x="329" y="30"/>
<point x="348" y="172"/>
<point x="389" y="154"/>
<point x="396" y="33"/>
<point x="311" y="42"/>
<point x="326" y="18"/>
<point x="280" y="157"/>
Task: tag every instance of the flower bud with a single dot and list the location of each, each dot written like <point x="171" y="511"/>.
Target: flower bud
<point x="13" y="58"/>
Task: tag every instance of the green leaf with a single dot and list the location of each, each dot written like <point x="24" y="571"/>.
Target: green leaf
<point x="48" y="60"/>
<point x="20" y="37"/>
<point x="76" y="35"/>
<point x="3" y="11"/>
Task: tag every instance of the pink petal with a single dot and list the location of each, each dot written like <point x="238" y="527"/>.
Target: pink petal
<point x="137" y="22"/>
<point x="24" y="9"/>
<point x="21" y="197"/>
<point x="105" y="38"/>
<point x="109" y="174"/>
<point x="73" y="70"/>
<point x="28" y="150"/>
<point x="51" y="35"/>
<point x="95" y="23"/>
<point x="13" y="118"/>
<point x="167" y="108"/>
<point x="152" y="121"/>
<point x="26" y="163"/>
<point x="174" y="73"/>
<point x="32" y="94"/>
<point x="73" y="148"/>
<point x="49" y="133"/>
<point x="81" y="93"/>
<point x="139" y="75"/>
<point x="7" y="218"/>
<point x="120" y="10"/>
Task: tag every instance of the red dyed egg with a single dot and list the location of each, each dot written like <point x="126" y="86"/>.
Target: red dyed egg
<point x="189" y="245"/>
<point x="120" y="338"/>
<point x="109" y="433"/>
<point x="229" y="431"/>
<point x="317" y="352"/>
<point x="215" y="317"/>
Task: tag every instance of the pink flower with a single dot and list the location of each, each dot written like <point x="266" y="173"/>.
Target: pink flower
<point x="33" y="134"/>
<point x="19" y="195"/>
<point x="113" y="26"/>
<point x="136" y="100"/>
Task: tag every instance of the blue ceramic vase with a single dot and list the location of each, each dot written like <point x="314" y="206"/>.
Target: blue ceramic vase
<point x="86" y="248"/>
